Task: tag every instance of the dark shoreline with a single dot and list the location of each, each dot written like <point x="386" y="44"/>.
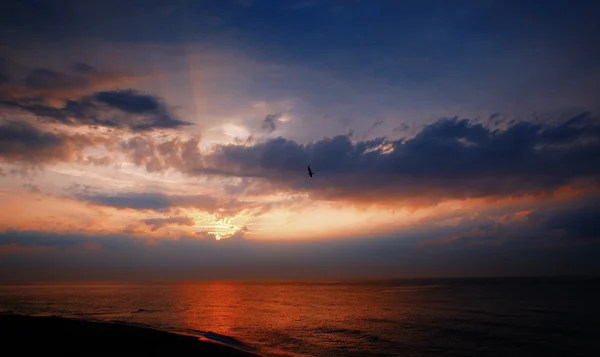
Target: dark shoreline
<point x="69" y="336"/>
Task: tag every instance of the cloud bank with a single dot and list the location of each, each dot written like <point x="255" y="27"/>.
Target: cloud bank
<point x="112" y="109"/>
<point x="450" y="158"/>
<point x="538" y="242"/>
<point x="21" y="142"/>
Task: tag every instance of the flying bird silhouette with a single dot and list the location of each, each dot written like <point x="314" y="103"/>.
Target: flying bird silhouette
<point x="310" y="173"/>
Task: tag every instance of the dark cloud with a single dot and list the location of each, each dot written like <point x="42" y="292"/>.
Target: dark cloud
<point x="38" y="90"/>
<point x="138" y="201"/>
<point x="376" y="124"/>
<point x="449" y="158"/>
<point x="158" y="223"/>
<point x="63" y="241"/>
<point x="546" y="224"/>
<point x="46" y="79"/>
<point x="402" y="127"/>
<point x="582" y="223"/>
<point x="153" y="110"/>
<point x="161" y="202"/>
<point x="24" y="143"/>
<point x="248" y="141"/>
<point x="130" y="101"/>
<point x="270" y="122"/>
<point x="82" y="67"/>
<point x="577" y="220"/>
<point x="188" y="257"/>
<point x="130" y="109"/>
<point x="22" y="134"/>
<point x="21" y="82"/>
<point x="37" y="108"/>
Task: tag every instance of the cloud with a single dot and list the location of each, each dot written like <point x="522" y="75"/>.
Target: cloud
<point x="376" y="124"/>
<point x="401" y="128"/>
<point x="450" y="158"/>
<point x="186" y="257"/>
<point x="577" y="220"/>
<point x="63" y="241"/>
<point x="138" y="201"/>
<point x="544" y="223"/>
<point x="19" y="249"/>
<point x="582" y="223"/>
<point x="158" y="223"/>
<point x="130" y="101"/>
<point x="82" y="97"/>
<point x="21" y="82"/>
<point x="239" y="234"/>
<point x="82" y="67"/>
<point x="20" y="142"/>
<point x="270" y="122"/>
<point x="46" y="79"/>
<point x="137" y="103"/>
<point x="177" y="153"/>
<point x="130" y="109"/>
<point x="162" y="202"/>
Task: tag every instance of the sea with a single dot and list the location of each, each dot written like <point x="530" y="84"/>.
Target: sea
<point x="506" y="317"/>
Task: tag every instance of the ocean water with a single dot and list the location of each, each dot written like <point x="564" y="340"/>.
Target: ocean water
<point x="446" y="317"/>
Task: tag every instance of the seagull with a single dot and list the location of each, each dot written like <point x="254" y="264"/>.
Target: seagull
<point x="310" y="173"/>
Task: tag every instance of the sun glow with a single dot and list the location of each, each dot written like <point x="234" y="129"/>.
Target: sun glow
<point x="235" y="131"/>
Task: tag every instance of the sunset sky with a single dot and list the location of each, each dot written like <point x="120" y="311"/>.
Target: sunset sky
<point x="170" y="139"/>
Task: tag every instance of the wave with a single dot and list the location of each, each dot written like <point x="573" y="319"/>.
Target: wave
<point x="228" y="340"/>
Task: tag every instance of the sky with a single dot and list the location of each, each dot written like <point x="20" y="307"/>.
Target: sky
<point x="170" y="139"/>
